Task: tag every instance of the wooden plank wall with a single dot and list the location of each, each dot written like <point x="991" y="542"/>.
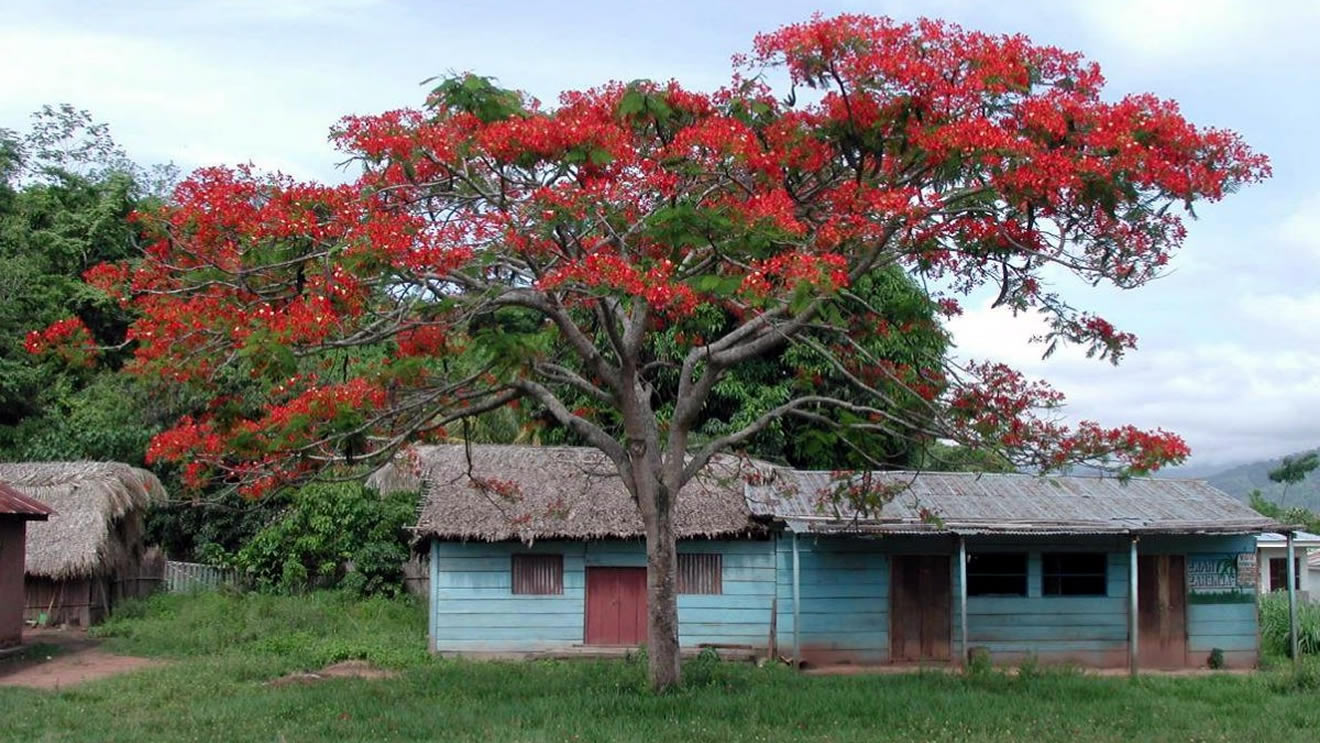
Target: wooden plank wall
<point x="1088" y="630"/>
<point x="845" y="600"/>
<point x="844" y="586"/>
<point x="475" y="610"/>
<point x="845" y="603"/>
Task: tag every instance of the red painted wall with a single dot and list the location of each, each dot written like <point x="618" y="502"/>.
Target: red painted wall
<point x="12" y="536"/>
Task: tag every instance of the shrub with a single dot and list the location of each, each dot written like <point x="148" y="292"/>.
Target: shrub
<point x="1274" y="625"/>
<point x="333" y="535"/>
<point x="979" y="662"/>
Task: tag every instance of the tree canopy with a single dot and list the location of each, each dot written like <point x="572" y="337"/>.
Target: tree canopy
<point x="640" y="244"/>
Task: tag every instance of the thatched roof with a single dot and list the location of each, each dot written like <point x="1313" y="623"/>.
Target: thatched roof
<point x="97" y="524"/>
<point x="530" y="492"/>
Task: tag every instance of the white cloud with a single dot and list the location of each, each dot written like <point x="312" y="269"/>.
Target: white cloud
<point x="295" y="10"/>
<point x="1300" y="230"/>
<point x="1168" y="27"/>
<point x="1232" y="403"/>
<point x="1295" y="317"/>
<point x="1211" y="31"/>
<point x="168" y="101"/>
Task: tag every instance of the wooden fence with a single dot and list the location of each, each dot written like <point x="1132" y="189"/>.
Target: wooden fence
<point x="181" y="577"/>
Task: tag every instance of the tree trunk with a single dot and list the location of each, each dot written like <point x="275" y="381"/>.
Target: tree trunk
<point x="662" y="601"/>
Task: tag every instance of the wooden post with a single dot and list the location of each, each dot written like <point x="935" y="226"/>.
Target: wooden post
<point x="962" y="600"/>
<point x="432" y="613"/>
<point x="1292" y="604"/>
<point x="772" y="648"/>
<point x="1133" y="622"/>
<point x="797" y="606"/>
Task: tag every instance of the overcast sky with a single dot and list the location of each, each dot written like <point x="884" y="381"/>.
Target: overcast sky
<point x="1229" y="352"/>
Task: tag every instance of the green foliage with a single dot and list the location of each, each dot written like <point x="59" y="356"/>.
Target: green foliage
<point x="308" y="631"/>
<point x="211" y="529"/>
<point x="1292" y="470"/>
<point x="331" y="535"/>
<point x="478" y="96"/>
<point x="66" y="190"/>
<point x="1296" y="515"/>
<point x="979" y="662"/>
<point x="1274" y="625"/>
<point x="1216" y="660"/>
<point x="910" y="337"/>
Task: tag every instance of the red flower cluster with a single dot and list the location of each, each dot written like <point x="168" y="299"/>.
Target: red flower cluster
<point x="68" y="338"/>
<point x="654" y="285"/>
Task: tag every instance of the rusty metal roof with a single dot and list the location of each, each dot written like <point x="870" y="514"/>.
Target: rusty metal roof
<point x="986" y="503"/>
<point x="14" y="503"/>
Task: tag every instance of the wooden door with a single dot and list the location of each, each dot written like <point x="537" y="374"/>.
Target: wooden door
<point x="921" y="607"/>
<point x="616" y="606"/>
<point x="1162" y="611"/>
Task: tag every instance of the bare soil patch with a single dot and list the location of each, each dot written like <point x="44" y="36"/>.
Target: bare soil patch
<point x="358" y="669"/>
<point x="60" y="658"/>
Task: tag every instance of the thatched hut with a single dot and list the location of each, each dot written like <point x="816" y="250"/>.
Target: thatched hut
<point x="563" y="492"/>
<point x="89" y="554"/>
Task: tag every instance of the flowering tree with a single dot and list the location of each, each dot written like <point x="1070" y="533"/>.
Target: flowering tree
<point x="495" y="250"/>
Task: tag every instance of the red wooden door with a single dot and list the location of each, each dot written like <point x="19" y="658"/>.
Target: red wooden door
<point x="921" y="620"/>
<point x="1162" y="611"/>
<point x="616" y="606"/>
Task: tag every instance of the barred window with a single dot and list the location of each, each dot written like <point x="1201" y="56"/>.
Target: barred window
<point x="700" y="573"/>
<point x="997" y="574"/>
<point x="538" y="574"/>
<point x="1075" y="573"/>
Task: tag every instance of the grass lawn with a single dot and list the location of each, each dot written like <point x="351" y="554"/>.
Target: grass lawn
<point x="223" y="648"/>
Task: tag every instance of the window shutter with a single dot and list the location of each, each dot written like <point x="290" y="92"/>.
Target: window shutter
<point x="700" y="573"/>
<point x="538" y="574"/>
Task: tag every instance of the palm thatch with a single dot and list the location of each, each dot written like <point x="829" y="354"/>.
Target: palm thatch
<point x="98" y="522"/>
<point x="496" y="493"/>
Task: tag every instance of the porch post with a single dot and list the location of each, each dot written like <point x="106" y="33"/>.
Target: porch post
<point x="432" y="592"/>
<point x="962" y="599"/>
<point x="797" y="607"/>
<point x="1133" y="627"/>
<point x="1292" y="604"/>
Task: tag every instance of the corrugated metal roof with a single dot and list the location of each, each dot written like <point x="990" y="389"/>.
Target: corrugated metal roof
<point x="1300" y="539"/>
<point x="985" y="503"/>
<point x="15" y="503"/>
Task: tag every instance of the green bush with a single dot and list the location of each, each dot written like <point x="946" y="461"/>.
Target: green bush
<point x="1274" y="625"/>
<point x="333" y="535"/>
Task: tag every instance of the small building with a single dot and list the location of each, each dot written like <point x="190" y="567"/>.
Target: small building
<point x="539" y="550"/>
<point x="16" y="510"/>
<point x="88" y="554"/>
<point x="1272" y="560"/>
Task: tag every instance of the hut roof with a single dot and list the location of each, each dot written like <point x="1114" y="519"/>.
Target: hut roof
<point x="14" y="503"/>
<point x="83" y="537"/>
<point x="560" y="492"/>
<point x="992" y="503"/>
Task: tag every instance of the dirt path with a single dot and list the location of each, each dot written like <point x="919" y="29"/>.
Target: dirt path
<point x="74" y="659"/>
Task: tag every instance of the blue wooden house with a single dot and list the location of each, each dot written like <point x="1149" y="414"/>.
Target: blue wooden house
<point x="538" y="551"/>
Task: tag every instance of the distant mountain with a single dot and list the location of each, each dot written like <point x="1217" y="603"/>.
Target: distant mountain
<point x="1239" y="481"/>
